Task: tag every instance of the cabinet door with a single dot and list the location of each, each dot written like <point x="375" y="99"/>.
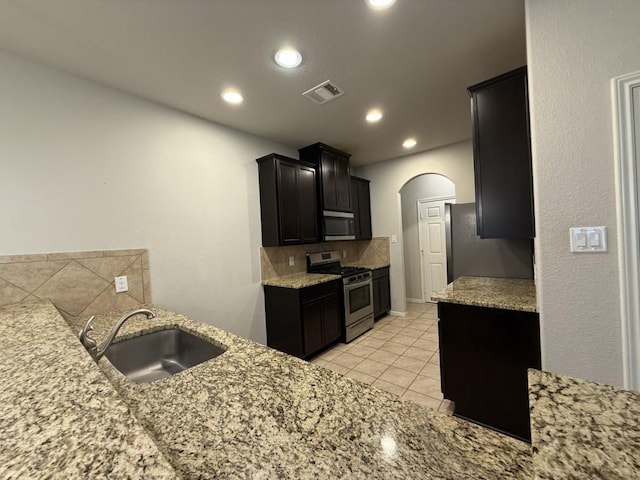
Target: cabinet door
<point x="502" y="157"/>
<point x="377" y="305"/>
<point x="342" y="183"/>
<point x="332" y="321"/>
<point x="284" y="325"/>
<point x="364" y="207"/>
<point x="459" y="369"/>
<point x="361" y="204"/>
<point x="287" y="205"/>
<point x="381" y="292"/>
<point x="385" y="294"/>
<point x="328" y="168"/>
<point x="307" y="205"/>
<point x="506" y="349"/>
<point x="355" y="199"/>
<point x="312" y="324"/>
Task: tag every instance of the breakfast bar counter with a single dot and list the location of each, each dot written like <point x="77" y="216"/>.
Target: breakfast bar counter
<point x="251" y="412"/>
<point x="254" y="412"/>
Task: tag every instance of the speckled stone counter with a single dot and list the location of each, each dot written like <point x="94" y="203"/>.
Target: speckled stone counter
<point x="370" y="266"/>
<point x="257" y="413"/>
<point x="504" y="293"/>
<point x="60" y="417"/>
<point x="583" y="430"/>
<point x="300" y="280"/>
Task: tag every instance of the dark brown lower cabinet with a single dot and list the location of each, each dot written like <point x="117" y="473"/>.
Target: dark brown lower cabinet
<point x="303" y="322"/>
<point x="484" y="357"/>
<point x="381" y="292"/>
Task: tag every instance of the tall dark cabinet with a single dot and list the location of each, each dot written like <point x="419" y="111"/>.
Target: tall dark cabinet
<point x="361" y="202"/>
<point x="502" y="156"/>
<point x="334" y="175"/>
<point x="288" y="201"/>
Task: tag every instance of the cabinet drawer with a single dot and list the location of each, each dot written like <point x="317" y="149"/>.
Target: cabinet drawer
<point x="379" y="273"/>
<point x="309" y="294"/>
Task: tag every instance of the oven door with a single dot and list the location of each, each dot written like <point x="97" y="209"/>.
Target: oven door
<point x="358" y="301"/>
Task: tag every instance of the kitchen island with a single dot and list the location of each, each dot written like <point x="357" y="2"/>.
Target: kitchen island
<point x="252" y="412"/>
<point x="489" y="335"/>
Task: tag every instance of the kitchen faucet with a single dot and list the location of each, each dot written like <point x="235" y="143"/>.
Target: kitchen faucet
<point x="91" y="345"/>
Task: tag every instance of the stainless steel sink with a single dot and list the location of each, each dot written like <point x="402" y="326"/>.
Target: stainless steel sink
<point x="160" y="354"/>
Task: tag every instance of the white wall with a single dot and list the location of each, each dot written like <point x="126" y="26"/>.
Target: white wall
<point x="574" y="48"/>
<point x="418" y="188"/>
<point x="85" y="167"/>
<point x="387" y="178"/>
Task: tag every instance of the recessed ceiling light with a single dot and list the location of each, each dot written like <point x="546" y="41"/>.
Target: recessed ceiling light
<point x="288" y="58"/>
<point x="232" y="96"/>
<point x="373" y="116"/>
<point x="409" y="143"/>
<point x="380" y="4"/>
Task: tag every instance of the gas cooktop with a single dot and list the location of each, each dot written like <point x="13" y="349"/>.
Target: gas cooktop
<point x="329" y="262"/>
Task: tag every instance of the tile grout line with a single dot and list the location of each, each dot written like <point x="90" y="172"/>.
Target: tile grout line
<point x="431" y="322"/>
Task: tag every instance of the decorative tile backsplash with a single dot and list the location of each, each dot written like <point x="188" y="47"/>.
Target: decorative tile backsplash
<point x="79" y="284"/>
<point x="274" y="261"/>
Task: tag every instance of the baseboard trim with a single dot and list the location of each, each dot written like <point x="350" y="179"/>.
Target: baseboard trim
<point x="397" y="314"/>
<point x="415" y="300"/>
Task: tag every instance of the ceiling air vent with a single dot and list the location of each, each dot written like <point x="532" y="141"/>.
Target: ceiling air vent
<point x="323" y="93"/>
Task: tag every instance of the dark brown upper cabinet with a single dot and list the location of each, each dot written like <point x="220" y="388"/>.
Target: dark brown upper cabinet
<point x="288" y="201"/>
<point x="502" y="156"/>
<point x="334" y="176"/>
<point x="361" y="202"/>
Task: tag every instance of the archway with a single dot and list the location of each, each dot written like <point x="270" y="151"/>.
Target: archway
<point x="422" y="215"/>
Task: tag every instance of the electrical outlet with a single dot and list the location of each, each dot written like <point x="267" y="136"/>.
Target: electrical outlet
<point x="122" y="285"/>
<point x="344" y="254"/>
<point x="292" y="261"/>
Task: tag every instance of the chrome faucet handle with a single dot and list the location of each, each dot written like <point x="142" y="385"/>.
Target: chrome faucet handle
<point x="88" y="342"/>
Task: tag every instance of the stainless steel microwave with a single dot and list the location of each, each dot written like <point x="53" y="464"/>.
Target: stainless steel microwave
<point x="338" y="225"/>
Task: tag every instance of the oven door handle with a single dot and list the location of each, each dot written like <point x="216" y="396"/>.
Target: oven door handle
<point x="353" y="286"/>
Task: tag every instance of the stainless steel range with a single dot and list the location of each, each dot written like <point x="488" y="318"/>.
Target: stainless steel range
<point x="357" y="287"/>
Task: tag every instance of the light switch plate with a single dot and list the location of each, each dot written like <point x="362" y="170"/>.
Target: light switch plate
<point x="394" y="238"/>
<point x="292" y="260"/>
<point x="122" y="285"/>
<point x="588" y="239"/>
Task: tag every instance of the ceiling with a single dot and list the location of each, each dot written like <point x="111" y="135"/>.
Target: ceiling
<point x="413" y="61"/>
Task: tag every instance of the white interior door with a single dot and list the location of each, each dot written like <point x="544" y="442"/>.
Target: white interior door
<point x="432" y="246"/>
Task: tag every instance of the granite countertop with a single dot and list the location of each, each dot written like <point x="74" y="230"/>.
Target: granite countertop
<point x="300" y="280"/>
<point x="504" y="293"/>
<point x="371" y="266"/>
<point x="60" y="417"/>
<point x="582" y="429"/>
<point x="254" y="412"/>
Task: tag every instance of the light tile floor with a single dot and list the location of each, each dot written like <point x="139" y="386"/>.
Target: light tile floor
<point x="399" y="355"/>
